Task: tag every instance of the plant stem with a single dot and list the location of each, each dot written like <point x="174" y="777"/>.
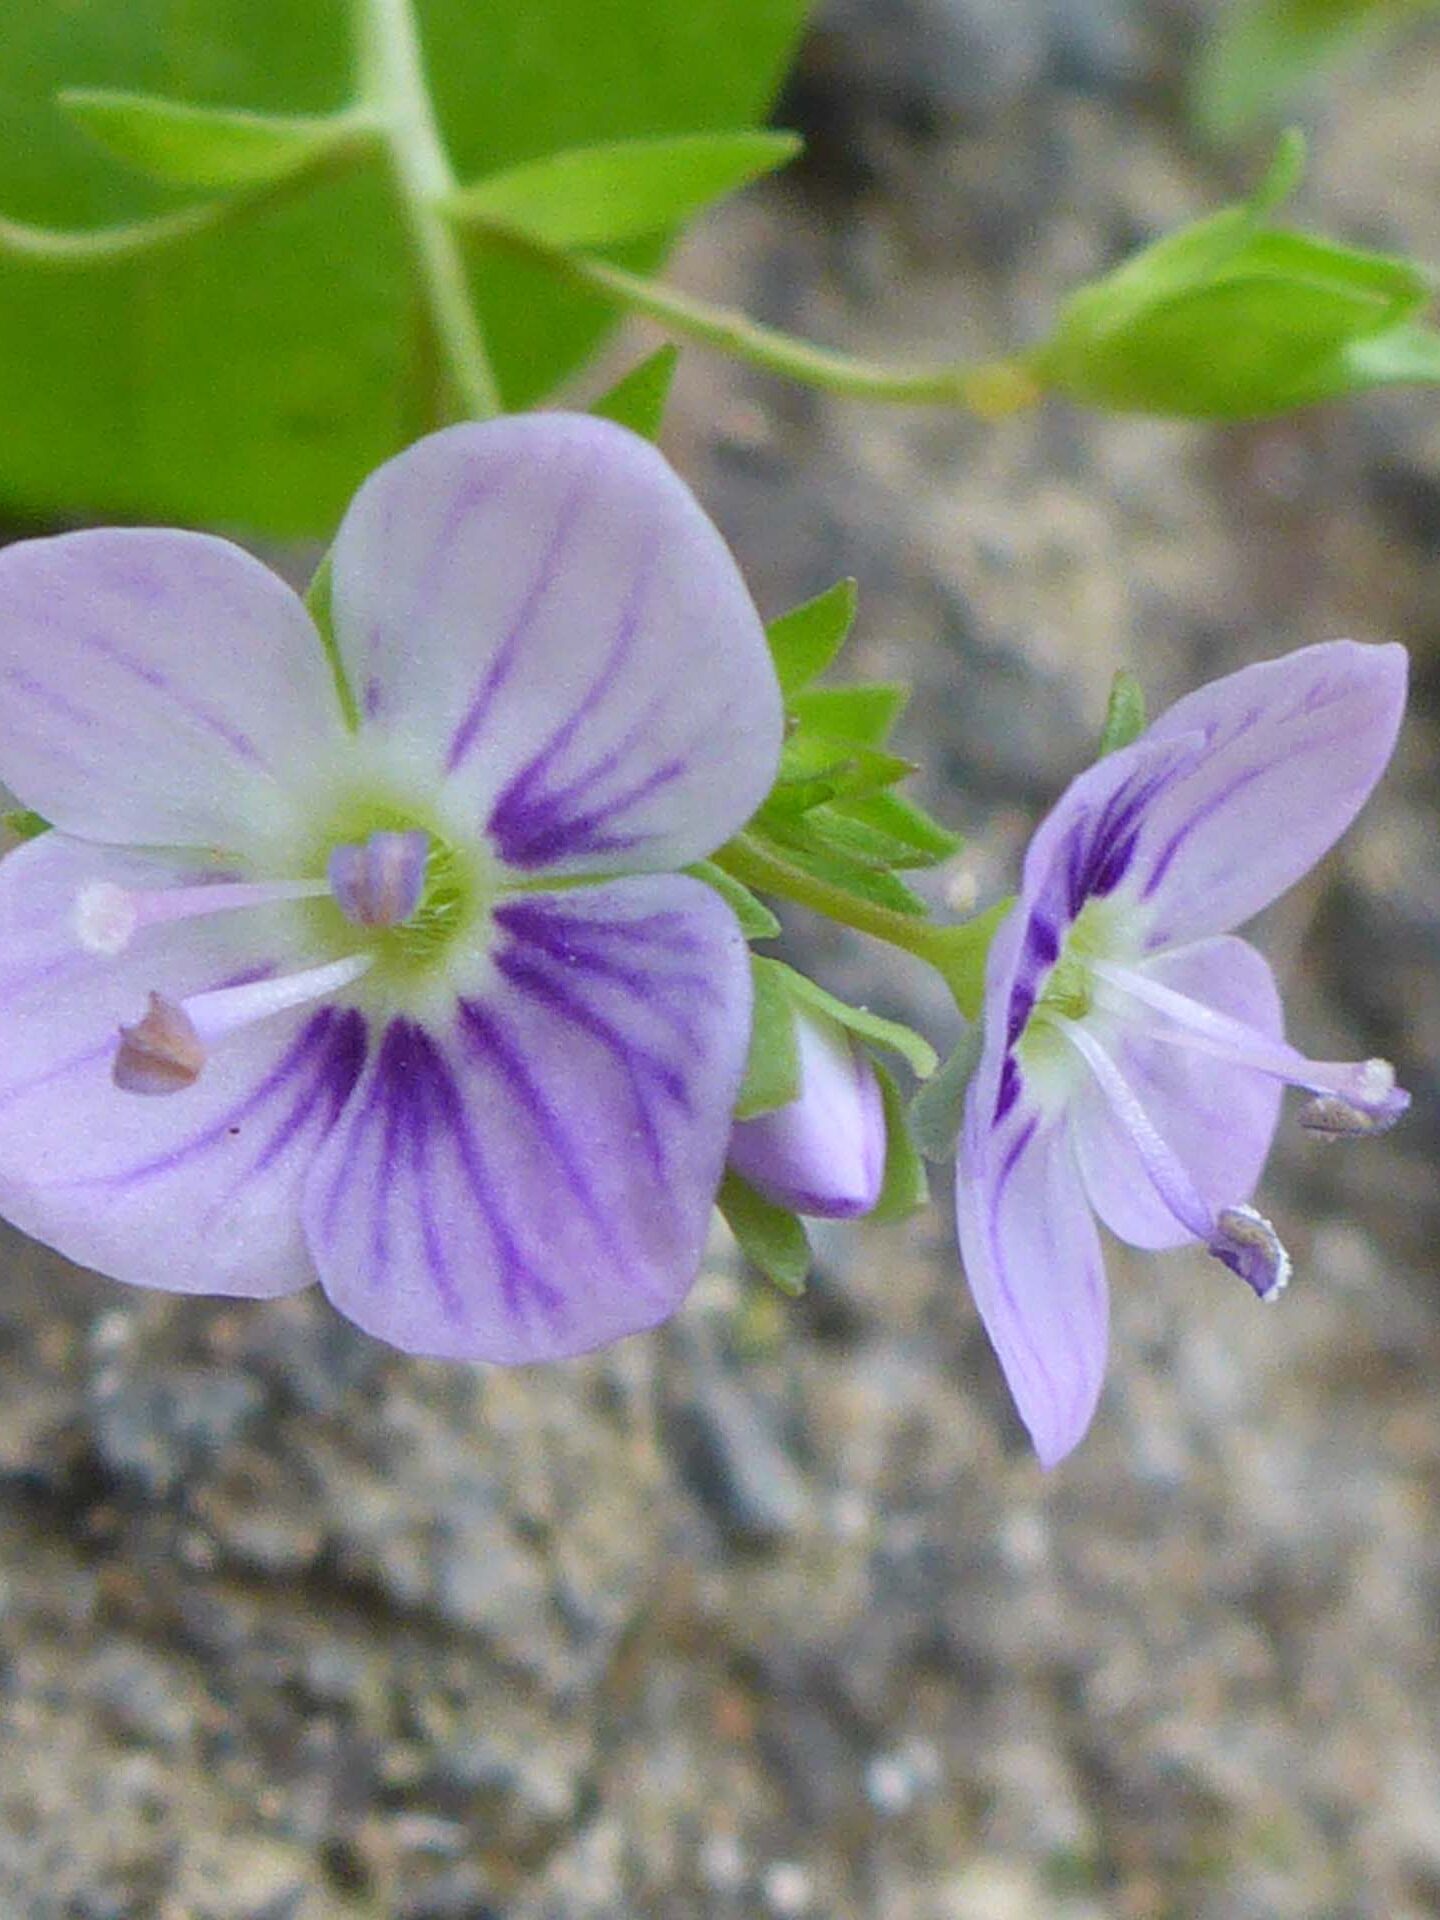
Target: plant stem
<point x="957" y="953"/>
<point x="990" y="391"/>
<point x="392" y="86"/>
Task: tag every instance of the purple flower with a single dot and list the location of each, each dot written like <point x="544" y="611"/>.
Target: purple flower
<point x="1133" y="1050"/>
<point x="417" y="1036"/>
<point x="823" y="1153"/>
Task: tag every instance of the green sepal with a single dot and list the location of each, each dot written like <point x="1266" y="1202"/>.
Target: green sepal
<point x="937" y="1111"/>
<point x="1124" y="713"/>
<point x="904" y="1188"/>
<point x="771" y="1238"/>
<point x="889" y="1035"/>
<point x="318" y="606"/>
<point x="24" y="824"/>
<point x="772" y="1066"/>
<point x="792" y="843"/>
<point x="804" y="641"/>
<point x="225" y="148"/>
<point x="829" y="831"/>
<point x="623" y="190"/>
<point x="757" y="922"/>
<point x="638" y="398"/>
<point x="926" y="840"/>
<point x="864" y="713"/>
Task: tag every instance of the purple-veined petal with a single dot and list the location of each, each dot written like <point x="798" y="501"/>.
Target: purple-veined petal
<point x="1031" y="1254"/>
<point x="537" y="610"/>
<point x="1291" y="750"/>
<point x="1217" y="1119"/>
<point x="195" y="1193"/>
<point x="534" y="1177"/>
<point x="156" y="687"/>
<point x="824" y="1153"/>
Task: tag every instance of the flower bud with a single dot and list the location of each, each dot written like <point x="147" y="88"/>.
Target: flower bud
<point x="824" y="1152"/>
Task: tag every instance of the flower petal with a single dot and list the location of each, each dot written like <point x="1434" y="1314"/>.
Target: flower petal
<point x="1032" y="1258"/>
<point x="538" y="610"/>
<point x="824" y="1153"/>
<point x="194" y="1193"/>
<point x="155" y="686"/>
<point x="1217" y="1119"/>
<point x="535" y="1178"/>
<point x="1291" y="750"/>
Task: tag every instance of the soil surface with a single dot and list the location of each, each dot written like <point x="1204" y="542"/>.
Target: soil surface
<point x="773" y="1614"/>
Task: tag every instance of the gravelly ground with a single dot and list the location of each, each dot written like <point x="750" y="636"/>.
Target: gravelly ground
<point x="773" y="1615"/>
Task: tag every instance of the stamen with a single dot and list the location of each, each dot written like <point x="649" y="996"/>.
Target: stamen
<point x="1238" y="1236"/>
<point x="1355" y="1098"/>
<point x="379" y="883"/>
<point x="167" y="1050"/>
<point x="107" y="917"/>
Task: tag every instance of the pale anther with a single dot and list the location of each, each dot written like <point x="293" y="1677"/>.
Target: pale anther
<point x="1248" y="1244"/>
<point x="161" y="1053"/>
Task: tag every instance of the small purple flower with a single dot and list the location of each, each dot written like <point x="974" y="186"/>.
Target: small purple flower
<point x="1134" y="1053"/>
<point x="824" y="1153"/>
<point x="420" y="1008"/>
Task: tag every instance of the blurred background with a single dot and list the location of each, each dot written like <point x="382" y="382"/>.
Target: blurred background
<point x="773" y="1614"/>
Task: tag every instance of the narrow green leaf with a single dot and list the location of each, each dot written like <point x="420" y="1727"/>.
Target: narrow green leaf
<point x="906" y="822"/>
<point x="772" y="1067"/>
<point x="890" y="1035"/>
<point x="850" y="839"/>
<point x="24" y="824"/>
<point x="800" y="849"/>
<point x="904" y="1188"/>
<point x="209" y="147"/>
<point x="637" y="400"/>
<point x="938" y="1109"/>
<point x="1124" y="713"/>
<point x="757" y="922"/>
<point x="627" y="190"/>
<point x="864" y="713"/>
<point x="317" y="602"/>
<point x="805" y="640"/>
<point x="843" y="766"/>
<point x="770" y="1238"/>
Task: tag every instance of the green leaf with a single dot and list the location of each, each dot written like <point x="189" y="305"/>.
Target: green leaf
<point x="1124" y="713"/>
<point x="254" y="375"/>
<point x="889" y="1035"/>
<point x="864" y="713"/>
<point x="626" y="190"/>
<point x="801" y="850"/>
<point x="1260" y="54"/>
<point x="24" y="824"/>
<point x="804" y="641"/>
<point x="637" y="400"/>
<point x="772" y="1066"/>
<point x="904" y="1188"/>
<point x="830" y="831"/>
<point x="757" y="922"/>
<point x="317" y="603"/>
<point x="211" y="147"/>
<point x="770" y="1238"/>
<point x="907" y="823"/>
<point x="938" y="1110"/>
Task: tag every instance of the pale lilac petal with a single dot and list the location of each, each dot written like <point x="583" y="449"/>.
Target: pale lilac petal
<point x="156" y="687"/>
<point x="197" y="1192"/>
<point x="824" y="1153"/>
<point x="1291" y="750"/>
<point x="1032" y="1257"/>
<point x="534" y="1177"/>
<point x="537" y="610"/>
<point x="1217" y="1119"/>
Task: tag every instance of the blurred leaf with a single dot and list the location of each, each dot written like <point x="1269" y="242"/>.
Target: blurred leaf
<point x="772" y="1067"/>
<point x="637" y="400"/>
<point x="210" y="147"/>
<point x="627" y="190"/>
<point x="904" y="1188"/>
<point x="254" y="375"/>
<point x="757" y="922"/>
<point x="1262" y="51"/>
<point x="805" y="640"/>
<point x="771" y="1239"/>
<point x="1124" y="713"/>
<point x="938" y="1109"/>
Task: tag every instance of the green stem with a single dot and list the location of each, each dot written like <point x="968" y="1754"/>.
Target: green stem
<point x="393" y="87"/>
<point x="990" y="391"/>
<point x="957" y="953"/>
